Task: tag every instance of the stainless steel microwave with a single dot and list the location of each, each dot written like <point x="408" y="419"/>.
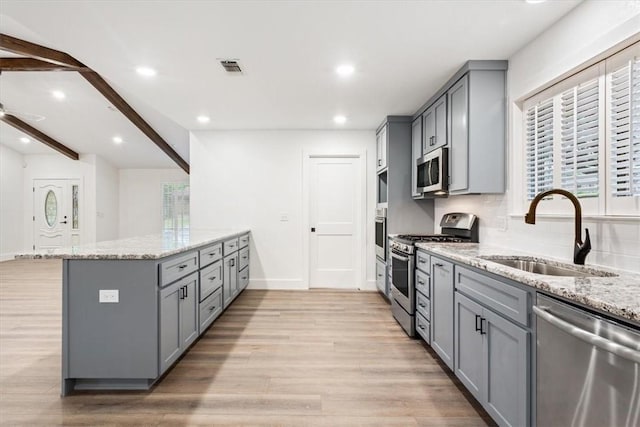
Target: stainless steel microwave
<point x="432" y="173"/>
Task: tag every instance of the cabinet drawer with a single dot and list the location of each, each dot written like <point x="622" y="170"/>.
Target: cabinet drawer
<point x="244" y="258"/>
<point x="422" y="282"/>
<point x="210" y="279"/>
<point x="381" y="268"/>
<point x="230" y="246"/>
<point x="501" y="297"/>
<point x="243" y="241"/>
<point x="423" y="262"/>
<point x="178" y="267"/>
<point x="210" y="254"/>
<point x="243" y="278"/>
<point x="423" y="305"/>
<point x="210" y="309"/>
<point x="423" y="327"/>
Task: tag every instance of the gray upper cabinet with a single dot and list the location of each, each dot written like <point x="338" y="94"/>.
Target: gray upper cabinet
<point x="381" y="149"/>
<point x="416" y="154"/>
<point x="468" y="116"/>
<point x="477" y="112"/>
<point x="434" y="126"/>
<point x="442" y="309"/>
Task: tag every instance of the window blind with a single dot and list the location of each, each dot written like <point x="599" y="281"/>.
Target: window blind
<point x="579" y="141"/>
<point x="539" y="148"/>
<point x="625" y="130"/>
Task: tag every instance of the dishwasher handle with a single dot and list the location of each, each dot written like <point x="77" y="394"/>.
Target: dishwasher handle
<point x="588" y="337"/>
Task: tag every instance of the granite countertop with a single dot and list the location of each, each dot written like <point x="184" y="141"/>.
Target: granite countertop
<point x="152" y="246"/>
<point x="617" y="294"/>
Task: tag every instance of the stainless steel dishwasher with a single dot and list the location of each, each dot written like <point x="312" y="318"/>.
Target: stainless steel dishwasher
<point x="588" y="368"/>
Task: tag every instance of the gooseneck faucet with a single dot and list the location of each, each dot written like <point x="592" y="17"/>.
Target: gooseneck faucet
<point x="580" y="248"/>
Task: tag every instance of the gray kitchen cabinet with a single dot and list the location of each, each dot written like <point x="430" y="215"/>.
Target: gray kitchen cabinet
<point x="434" y="125"/>
<point x="381" y="276"/>
<point x="230" y="283"/>
<point x="476" y="109"/>
<point x="442" y="309"/>
<point x="492" y="361"/>
<point x="416" y="154"/>
<point x="381" y="149"/>
<point x="178" y="319"/>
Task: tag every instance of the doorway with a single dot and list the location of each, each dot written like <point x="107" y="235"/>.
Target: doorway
<point x="56" y="213"/>
<point x="335" y="220"/>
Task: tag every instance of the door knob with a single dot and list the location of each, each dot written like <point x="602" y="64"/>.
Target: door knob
<point x="313" y="229"/>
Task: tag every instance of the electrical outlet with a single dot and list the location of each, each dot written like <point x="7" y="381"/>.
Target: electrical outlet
<point x="284" y="217"/>
<point x="111" y="296"/>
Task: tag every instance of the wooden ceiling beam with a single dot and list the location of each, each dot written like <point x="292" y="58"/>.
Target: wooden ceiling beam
<point x="32" y="50"/>
<point x="108" y="92"/>
<point x="32" y="64"/>
<point x="38" y="135"/>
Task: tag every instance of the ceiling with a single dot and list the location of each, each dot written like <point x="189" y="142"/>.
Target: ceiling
<point x="402" y="51"/>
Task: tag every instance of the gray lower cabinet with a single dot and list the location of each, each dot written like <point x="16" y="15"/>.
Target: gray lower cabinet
<point x="442" y="309"/>
<point x="178" y="319"/>
<point x="230" y="287"/>
<point x="381" y="276"/>
<point x="210" y="309"/>
<point x="492" y="361"/>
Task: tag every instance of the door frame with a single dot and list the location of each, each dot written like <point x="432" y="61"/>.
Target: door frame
<point x="307" y="155"/>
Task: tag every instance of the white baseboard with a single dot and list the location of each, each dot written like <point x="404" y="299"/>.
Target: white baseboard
<point x="7" y="257"/>
<point x="370" y="285"/>
<point x="284" y="284"/>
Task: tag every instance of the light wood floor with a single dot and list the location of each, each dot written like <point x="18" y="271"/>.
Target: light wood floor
<point x="275" y="358"/>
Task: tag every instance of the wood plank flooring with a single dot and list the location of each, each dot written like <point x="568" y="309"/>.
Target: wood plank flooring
<point x="275" y="358"/>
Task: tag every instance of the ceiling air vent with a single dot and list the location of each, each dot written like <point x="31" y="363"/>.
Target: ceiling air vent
<point x="231" y="66"/>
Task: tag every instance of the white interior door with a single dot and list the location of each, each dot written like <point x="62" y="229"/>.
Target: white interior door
<point x="56" y="213"/>
<point x="335" y="218"/>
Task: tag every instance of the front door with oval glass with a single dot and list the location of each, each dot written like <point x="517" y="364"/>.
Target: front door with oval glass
<point x="56" y="213"/>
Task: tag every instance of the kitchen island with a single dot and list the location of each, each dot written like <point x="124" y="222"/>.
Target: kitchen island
<point x="132" y="307"/>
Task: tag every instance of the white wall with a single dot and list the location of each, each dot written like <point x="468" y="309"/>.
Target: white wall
<point x="11" y="203"/>
<point x="107" y="200"/>
<point x="249" y="178"/>
<point x="586" y="32"/>
<point x="141" y="199"/>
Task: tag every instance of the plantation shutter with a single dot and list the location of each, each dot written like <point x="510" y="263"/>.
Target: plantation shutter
<point x="539" y="148"/>
<point x="625" y="130"/>
<point x="580" y="140"/>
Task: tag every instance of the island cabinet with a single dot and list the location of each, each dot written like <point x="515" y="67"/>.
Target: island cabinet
<point x="128" y="318"/>
<point x="178" y="319"/>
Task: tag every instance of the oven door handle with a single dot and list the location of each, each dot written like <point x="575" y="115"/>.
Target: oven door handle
<point x="588" y="337"/>
<point x="400" y="257"/>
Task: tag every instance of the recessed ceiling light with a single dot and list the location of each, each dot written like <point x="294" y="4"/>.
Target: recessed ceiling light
<point x="345" y="70"/>
<point x="340" y="120"/>
<point x="25" y="140"/>
<point x="146" y="71"/>
<point x="117" y="140"/>
<point x="203" y="119"/>
<point x="58" y="94"/>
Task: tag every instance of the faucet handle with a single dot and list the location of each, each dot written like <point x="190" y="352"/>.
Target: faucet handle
<point x="581" y="250"/>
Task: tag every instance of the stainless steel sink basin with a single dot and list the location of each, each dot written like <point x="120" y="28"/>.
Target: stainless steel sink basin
<point x="549" y="268"/>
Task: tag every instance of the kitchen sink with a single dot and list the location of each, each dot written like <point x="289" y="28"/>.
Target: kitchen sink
<point x="549" y="268"/>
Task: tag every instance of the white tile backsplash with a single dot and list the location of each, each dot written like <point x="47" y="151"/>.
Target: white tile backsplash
<point x="616" y="243"/>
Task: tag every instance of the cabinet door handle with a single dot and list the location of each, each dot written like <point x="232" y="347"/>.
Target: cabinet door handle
<point x="182" y="293"/>
<point x="422" y="305"/>
<point x="478" y="324"/>
<point x="421" y="326"/>
<point x="244" y="257"/>
<point x="182" y="266"/>
<point x="212" y="308"/>
<point x="420" y="282"/>
<point x="421" y="261"/>
<point x="212" y="254"/>
<point x="232" y="262"/>
<point x="379" y="162"/>
<point x="186" y="291"/>
<point x="212" y="278"/>
<point x="482" y="323"/>
<point x="437" y="264"/>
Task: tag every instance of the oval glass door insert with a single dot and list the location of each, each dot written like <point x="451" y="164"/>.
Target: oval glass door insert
<point x="50" y="208"/>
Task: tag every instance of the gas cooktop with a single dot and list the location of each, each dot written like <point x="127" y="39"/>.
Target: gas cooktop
<point x="416" y="238"/>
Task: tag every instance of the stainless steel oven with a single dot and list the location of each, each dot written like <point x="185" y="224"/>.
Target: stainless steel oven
<point x="402" y="290"/>
<point x="381" y="233"/>
<point x="432" y="173"/>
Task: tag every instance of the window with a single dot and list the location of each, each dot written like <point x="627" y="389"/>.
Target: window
<point x="175" y="209"/>
<point x="583" y="135"/>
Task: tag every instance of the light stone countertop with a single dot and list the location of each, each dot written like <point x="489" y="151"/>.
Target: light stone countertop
<point x="618" y="295"/>
<point x="153" y="246"/>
